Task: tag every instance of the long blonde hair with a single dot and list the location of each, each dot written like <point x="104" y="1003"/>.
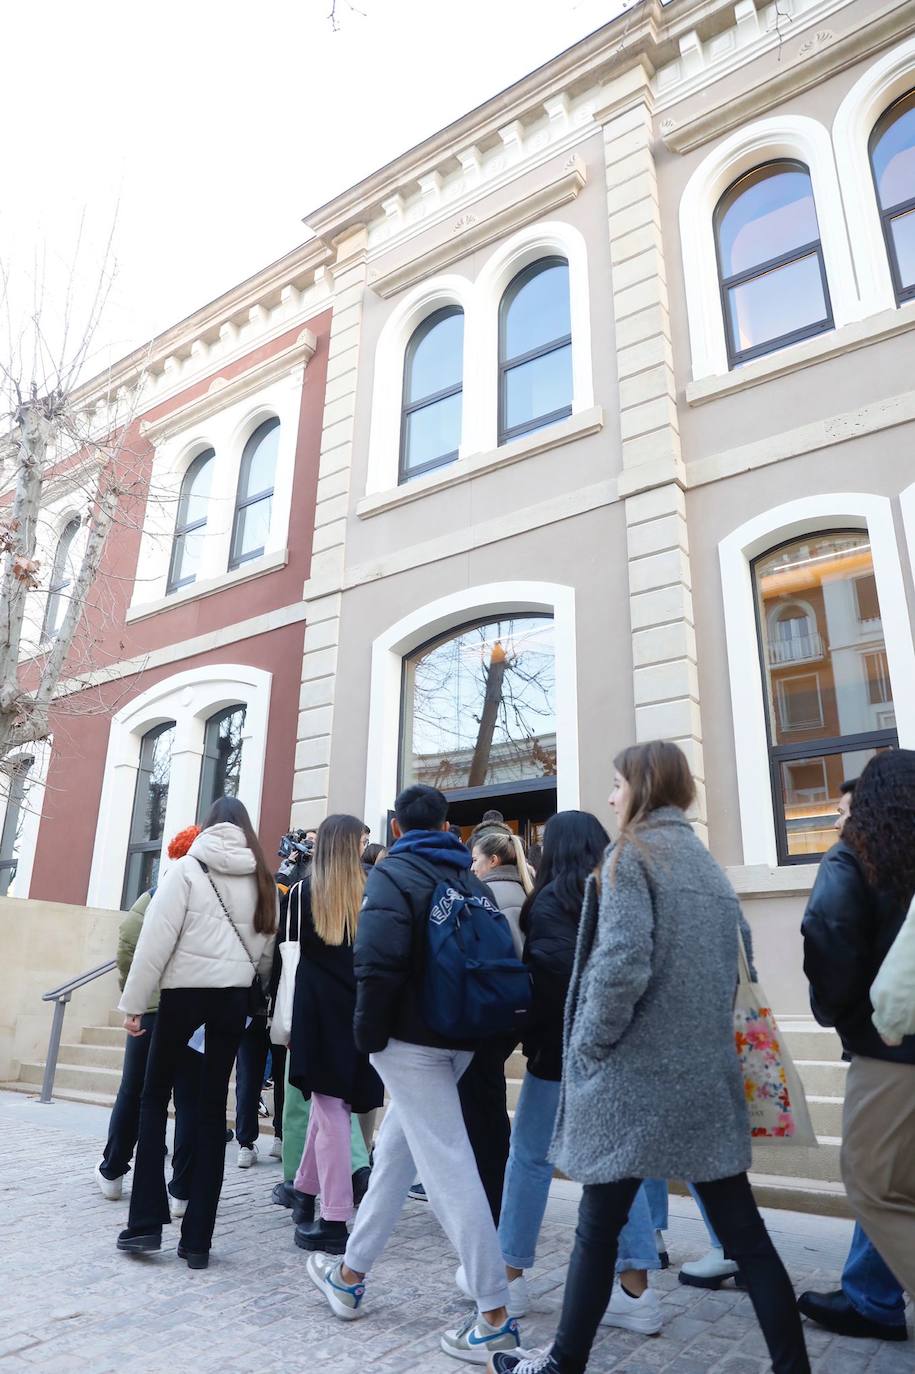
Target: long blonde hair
<point x="337" y="880"/>
<point x="501" y="844"/>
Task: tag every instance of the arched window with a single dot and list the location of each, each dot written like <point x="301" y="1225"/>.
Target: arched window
<point x="535" y="349"/>
<point x="187" y="546"/>
<point x="430" y="427"/>
<point x="254" y="502"/>
<point x="147" y="825"/>
<point x="61" y="577"/>
<point x="770" y="261"/>
<point x="892" y="151"/>
<point x="220" y="772"/>
<point x="829" y="701"/>
<point x="479" y="708"/>
<point x="17" y="770"/>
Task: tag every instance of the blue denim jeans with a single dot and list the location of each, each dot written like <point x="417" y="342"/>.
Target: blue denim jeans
<point x="656" y="1192"/>
<point x="869" y="1285"/>
<point x="249" y="1080"/>
<point x="527" y="1186"/>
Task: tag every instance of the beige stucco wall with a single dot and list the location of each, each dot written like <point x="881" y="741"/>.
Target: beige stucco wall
<point x="42" y="944"/>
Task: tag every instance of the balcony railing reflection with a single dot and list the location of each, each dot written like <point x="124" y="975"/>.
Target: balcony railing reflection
<point x="797" y="649"/>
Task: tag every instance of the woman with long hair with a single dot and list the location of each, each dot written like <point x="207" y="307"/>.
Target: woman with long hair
<point x="324" y="1063"/>
<point x="207" y="943"/>
<point x="857" y="908"/>
<point x="498" y="861"/>
<point x="651" y="1084"/>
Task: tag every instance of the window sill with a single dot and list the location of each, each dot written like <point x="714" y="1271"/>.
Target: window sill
<point x="858" y="334"/>
<point x="257" y="567"/>
<point x="474" y="465"/>
<point x="759" y="880"/>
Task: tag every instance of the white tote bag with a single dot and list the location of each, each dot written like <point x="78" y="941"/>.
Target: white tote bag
<point x="290" y="949"/>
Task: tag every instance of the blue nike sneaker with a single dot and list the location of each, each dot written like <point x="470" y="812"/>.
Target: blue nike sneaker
<point x="476" y="1341"/>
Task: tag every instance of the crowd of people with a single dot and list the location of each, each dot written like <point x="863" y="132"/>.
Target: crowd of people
<point x="406" y="976"/>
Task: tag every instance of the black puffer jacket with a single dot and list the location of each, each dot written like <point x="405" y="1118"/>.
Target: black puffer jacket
<point x="323" y="1057"/>
<point x="848" y="928"/>
<point x="549" y="951"/>
<point x="390" y="950"/>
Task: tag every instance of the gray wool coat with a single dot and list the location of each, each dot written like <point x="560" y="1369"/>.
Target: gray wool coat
<point x="651" y="1084"/>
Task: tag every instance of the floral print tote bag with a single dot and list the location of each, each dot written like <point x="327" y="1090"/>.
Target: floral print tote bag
<point x="775" y="1096"/>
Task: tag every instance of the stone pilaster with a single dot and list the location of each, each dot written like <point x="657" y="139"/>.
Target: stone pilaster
<point x="652" y="480"/>
<point x="322" y="631"/>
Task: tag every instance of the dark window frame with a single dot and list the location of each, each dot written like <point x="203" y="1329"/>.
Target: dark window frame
<point x="209" y="764"/>
<point x="184" y="527"/>
<point x="825" y="746"/>
<point x="887" y="119"/>
<point x="506" y="365"/>
<point x="408" y="408"/>
<point x="737" y="356"/>
<point x="242" y="503"/>
<point x="18" y="768"/>
<point x="144" y="769"/>
<point x="60" y="579"/>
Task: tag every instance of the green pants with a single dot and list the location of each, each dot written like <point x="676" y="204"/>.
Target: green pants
<point x="296" y="1110"/>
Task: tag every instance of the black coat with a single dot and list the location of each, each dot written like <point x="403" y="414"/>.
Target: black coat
<point x="549" y="951"/>
<point x="848" y="928"/>
<point x="390" y="950"/>
<point x="322" y="1051"/>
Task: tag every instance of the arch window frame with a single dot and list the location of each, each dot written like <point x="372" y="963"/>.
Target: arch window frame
<point x="506" y="433"/>
<point x="210" y="762"/>
<point x="60" y="578"/>
<point x="408" y="408"/>
<point x="246" y="502"/>
<point x="152" y="846"/>
<point x="19" y="766"/>
<point x="183" y="527"/>
<point x="738" y="356"/>
<point x="885" y="122"/>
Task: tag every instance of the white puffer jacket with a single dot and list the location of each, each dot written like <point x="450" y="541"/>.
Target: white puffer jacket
<point x="186" y="941"/>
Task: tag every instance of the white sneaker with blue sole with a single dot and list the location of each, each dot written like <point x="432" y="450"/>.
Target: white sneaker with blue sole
<point x="343" y="1299"/>
<point x="476" y="1341"/>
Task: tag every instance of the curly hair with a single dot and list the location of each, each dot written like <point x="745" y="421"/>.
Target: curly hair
<point x="182" y="842"/>
<point x="881" y="827"/>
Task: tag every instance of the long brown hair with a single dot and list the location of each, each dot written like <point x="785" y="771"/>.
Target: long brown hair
<point x="508" y="849"/>
<point x="337" y="880"/>
<point x="230" y="811"/>
<point x="658" y="775"/>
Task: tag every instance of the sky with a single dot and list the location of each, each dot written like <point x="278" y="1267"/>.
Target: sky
<point x="201" y="131"/>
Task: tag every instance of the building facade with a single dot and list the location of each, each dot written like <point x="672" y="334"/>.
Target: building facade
<point x="611" y="437"/>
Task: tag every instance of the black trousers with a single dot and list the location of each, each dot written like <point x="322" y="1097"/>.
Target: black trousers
<point x="733" y="1212"/>
<point x="279" y="1053"/>
<point x="249" y="1080"/>
<point x="485" y="1111"/>
<point x="124" y="1126"/>
<point x="181" y="1011"/>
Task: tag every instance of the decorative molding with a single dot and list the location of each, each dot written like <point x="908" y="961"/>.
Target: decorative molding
<point x="469" y="233"/>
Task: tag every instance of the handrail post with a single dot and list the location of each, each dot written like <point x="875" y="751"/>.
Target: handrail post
<point x="50" y="1068"/>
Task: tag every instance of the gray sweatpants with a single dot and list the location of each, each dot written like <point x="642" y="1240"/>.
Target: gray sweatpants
<point x="423" y="1136"/>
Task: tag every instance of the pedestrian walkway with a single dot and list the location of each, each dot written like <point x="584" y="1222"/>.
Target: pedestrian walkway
<point x="72" y="1305"/>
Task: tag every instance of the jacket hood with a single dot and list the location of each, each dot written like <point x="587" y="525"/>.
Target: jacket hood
<point x="504" y="873"/>
<point x="224" y="849"/>
<point x="439" y="846"/>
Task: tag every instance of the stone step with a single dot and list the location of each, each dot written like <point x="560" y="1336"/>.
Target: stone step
<point x="822" y="1078"/>
<point x="801" y="1161"/>
<point x="826" y="1114"/>
<point x="85" y="1078"/>
<point x="100" y="1099"/>
<point x="801" y="1195"/>
<point x="116" y="1018"/>
<point x="93" y="1056"/>
<point x="807" y="1040"/>
<point x="104" y="1035"/>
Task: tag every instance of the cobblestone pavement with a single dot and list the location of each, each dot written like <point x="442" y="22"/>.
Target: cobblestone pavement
<point x="69" y="1303"/>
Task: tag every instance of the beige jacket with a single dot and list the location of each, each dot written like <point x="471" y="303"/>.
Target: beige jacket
<point x="186" y="941"/>
<point x="893" y="990"/>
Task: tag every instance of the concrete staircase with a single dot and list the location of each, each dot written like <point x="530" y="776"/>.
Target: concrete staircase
<point x="802" y="1179"/>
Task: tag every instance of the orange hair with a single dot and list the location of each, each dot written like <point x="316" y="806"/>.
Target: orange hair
<point x="182" y="842"/>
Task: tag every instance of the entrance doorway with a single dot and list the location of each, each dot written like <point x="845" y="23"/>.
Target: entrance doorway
<point x="525" y="810"/>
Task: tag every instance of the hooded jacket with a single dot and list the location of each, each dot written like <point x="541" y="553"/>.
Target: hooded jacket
<point x="186" y="940"/>
<point x="504" y="883"/>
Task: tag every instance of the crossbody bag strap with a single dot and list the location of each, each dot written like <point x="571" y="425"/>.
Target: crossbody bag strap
<point x="225" y="909"/>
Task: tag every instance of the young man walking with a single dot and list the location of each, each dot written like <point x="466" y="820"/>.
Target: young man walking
<point x="423" y="1132"/>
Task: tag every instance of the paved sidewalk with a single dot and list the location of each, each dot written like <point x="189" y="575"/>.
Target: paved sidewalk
<point x="69" y="1303"/>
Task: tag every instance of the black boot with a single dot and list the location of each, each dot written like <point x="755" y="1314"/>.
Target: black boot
<point x="196" y="1259"/>
<point x="834" y="1312"/>
<point x="329" y="1237"/>
<point x="361" y="1179"/>
<point x="140" y="1242"/>
<point x="303" y="1208"/>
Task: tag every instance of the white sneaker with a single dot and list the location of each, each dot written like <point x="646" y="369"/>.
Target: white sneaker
<point x="276" y="1149"/>
<point x="642" y="1314"/>
<point x="474" y="1341"/>
<point x="247" y="1155"/>
<point x="177" y="1206"/>
<point x="519" y="1298"/>
<point x="708" y="1272"/>
<point x="111" y="1188"/>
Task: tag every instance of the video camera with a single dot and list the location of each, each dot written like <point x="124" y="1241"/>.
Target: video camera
<point x="294" y="847"/>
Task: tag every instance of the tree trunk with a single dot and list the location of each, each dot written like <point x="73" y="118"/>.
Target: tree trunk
<point x="492" y="700"/>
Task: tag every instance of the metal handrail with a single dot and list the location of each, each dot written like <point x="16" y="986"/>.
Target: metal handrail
<point x="60" y="997"/>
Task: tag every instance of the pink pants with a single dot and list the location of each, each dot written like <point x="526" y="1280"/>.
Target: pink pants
<point x="326" y="1166"/>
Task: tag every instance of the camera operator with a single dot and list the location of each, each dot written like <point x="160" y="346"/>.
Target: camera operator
<point x="297" y="852"/>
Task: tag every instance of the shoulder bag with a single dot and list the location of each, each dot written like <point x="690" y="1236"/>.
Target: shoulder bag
<point x="290" y="951"/>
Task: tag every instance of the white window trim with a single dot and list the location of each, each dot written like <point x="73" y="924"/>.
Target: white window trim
<point x="848" y="510"/>
<point x="798" y="137"/>
<point x="783" y="698"/>
<point x="907" y="504"/>
<point x="480" y="300"/>
<point x="226" y="432"/>
<point x="438" y="617"/>
<point x="188" y="698"/>
<point x="871" y="95"/>
<point x="53" y="519"/>
<point x="32" y="805"/>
